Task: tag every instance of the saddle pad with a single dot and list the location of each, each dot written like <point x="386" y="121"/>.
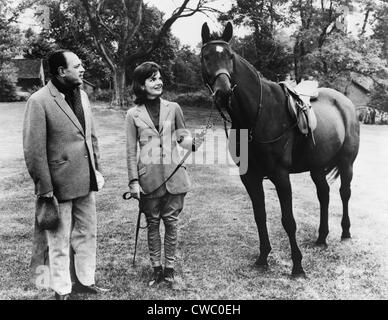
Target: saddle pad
<point x="308" y="88"/>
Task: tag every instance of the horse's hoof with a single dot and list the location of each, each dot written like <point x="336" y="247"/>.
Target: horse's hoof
<point x="345" y="236"/>
<point x="298" y="272"/>
<point x="321" y="243"/>
<point x="261" y="265"/>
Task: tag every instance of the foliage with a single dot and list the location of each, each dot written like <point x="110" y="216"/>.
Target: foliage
<point x="10" y="42"/>
<point x="315" y="24"/>
<point x="38" y="46"/>
<point x="8" y="81"/>
<point x="274" y="60"/>
<point x="164" y="55"/>
<point x="262" y="47"/>
<point x="379" y="98"/>
<point x="340" y="55"/>
<point x="117" y="33"/>
<point x="68" y="31"/>
<point x="381" y="26"/>
<point x="103" y="95"/>
<point x="187" y="70"/>
<point x="297" y="37"/>
<point x="200" y="98"/>
<point x="10" y="38"/>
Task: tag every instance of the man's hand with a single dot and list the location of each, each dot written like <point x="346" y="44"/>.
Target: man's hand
<point x="100" y="180"/>
<point x="134" y="189"/>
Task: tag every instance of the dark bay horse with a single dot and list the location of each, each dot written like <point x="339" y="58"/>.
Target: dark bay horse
<point x="276" y="148"/>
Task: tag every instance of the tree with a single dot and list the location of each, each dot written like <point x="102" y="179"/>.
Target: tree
<point x="379" y="96"/>
<point x="150" y="25"/>
<point x="381" y="26"/>
<point x="10" y="43"/>
<point x="317" y="21"/>
<point x="68" y="31"/>
<point x="37" y="46"/>
<point x="8" y="79"/>
<point x="187" y="70"/>
<point x="263" y="48"/>
<point x="340" y="56"/>
<point x="114" y="25"/>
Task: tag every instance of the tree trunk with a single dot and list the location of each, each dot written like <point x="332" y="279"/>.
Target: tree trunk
<point x="119" y="88"/>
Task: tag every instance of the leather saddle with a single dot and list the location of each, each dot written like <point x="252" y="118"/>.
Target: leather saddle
<point x="299" y="104"/>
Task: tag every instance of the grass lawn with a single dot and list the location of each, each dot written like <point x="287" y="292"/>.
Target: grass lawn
<point x="218" y="239"/>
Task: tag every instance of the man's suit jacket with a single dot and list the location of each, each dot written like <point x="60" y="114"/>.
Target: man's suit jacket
<point x="152" y="155"/>
<point x="58" y="152"/>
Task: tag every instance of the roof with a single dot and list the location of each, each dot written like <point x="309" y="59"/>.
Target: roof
<point x="28" y="68"/>
<point x="366" y="83"/>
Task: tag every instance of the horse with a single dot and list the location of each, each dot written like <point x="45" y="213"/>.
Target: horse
<point x="276" y="148"/>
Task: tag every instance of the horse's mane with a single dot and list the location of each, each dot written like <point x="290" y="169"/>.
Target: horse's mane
<point x="252" y="68"/>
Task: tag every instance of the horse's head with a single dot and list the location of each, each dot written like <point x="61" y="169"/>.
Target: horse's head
<point x="217" y="64"/>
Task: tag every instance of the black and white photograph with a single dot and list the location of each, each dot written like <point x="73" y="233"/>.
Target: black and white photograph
<point x="193" y="155"/>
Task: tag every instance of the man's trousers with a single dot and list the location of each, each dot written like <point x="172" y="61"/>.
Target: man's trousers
<point x="77" y="232"/>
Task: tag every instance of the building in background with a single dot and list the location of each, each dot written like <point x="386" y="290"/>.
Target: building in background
<point x="358" y="90"/>
<point x="30" y="76"/>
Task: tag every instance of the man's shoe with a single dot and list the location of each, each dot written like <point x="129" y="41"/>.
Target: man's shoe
<point x="169" y="275"/>
<point x="62" y="296"/>
<point x="157" y="276"/>
<point x="92" y="289"/>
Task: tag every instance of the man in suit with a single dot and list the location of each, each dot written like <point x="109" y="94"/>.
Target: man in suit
<point x="62" y="157"/>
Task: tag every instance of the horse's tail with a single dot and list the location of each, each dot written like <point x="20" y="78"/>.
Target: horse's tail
<point x="332" y="173"/>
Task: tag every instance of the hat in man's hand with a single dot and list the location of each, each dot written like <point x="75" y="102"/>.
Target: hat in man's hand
<point x="47" y="213"/>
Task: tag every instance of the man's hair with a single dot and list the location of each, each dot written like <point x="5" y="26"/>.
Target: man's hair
<point x="140" y="74"/>
<point x="57" y="59"/>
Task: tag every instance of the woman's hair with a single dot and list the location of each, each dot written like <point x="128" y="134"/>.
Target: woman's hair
<point x="140" y="74"/>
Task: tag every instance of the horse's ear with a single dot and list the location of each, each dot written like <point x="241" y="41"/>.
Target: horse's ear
<point x="228" y="32"/>
<point x="205" y="33"/>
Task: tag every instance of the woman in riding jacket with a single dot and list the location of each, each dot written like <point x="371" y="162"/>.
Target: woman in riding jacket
<point x="154" y="128"/>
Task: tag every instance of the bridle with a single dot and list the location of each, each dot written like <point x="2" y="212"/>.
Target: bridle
<point x="230" y="95"/>
<point x="210" y="85"/>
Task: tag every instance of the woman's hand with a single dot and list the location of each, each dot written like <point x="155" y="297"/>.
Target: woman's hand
<point x="197" y="142"/>
<point x="134" y="189"/>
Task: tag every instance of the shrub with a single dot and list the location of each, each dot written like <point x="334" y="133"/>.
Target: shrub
<point x="8" y="80"/>
<point x="196" y="99"/>
<point x="103" y="95"/>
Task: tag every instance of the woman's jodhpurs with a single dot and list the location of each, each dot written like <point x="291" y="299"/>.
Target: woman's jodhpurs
<point x="166" y="208"/>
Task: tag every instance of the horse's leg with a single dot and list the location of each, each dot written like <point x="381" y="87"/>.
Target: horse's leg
<point x="281" y="180"/>
<point x="346" y="172"/>
<point x="254" y="186"/>
<point x="323" y="190"/>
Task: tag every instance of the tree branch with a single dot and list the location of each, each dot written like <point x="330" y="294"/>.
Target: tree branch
<point x="178" y="13"/>
<point x="100" y="6"/>
<point x="98" y="40"/>
<point x="137" y="9"/>
<point x="365" y="21"/>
